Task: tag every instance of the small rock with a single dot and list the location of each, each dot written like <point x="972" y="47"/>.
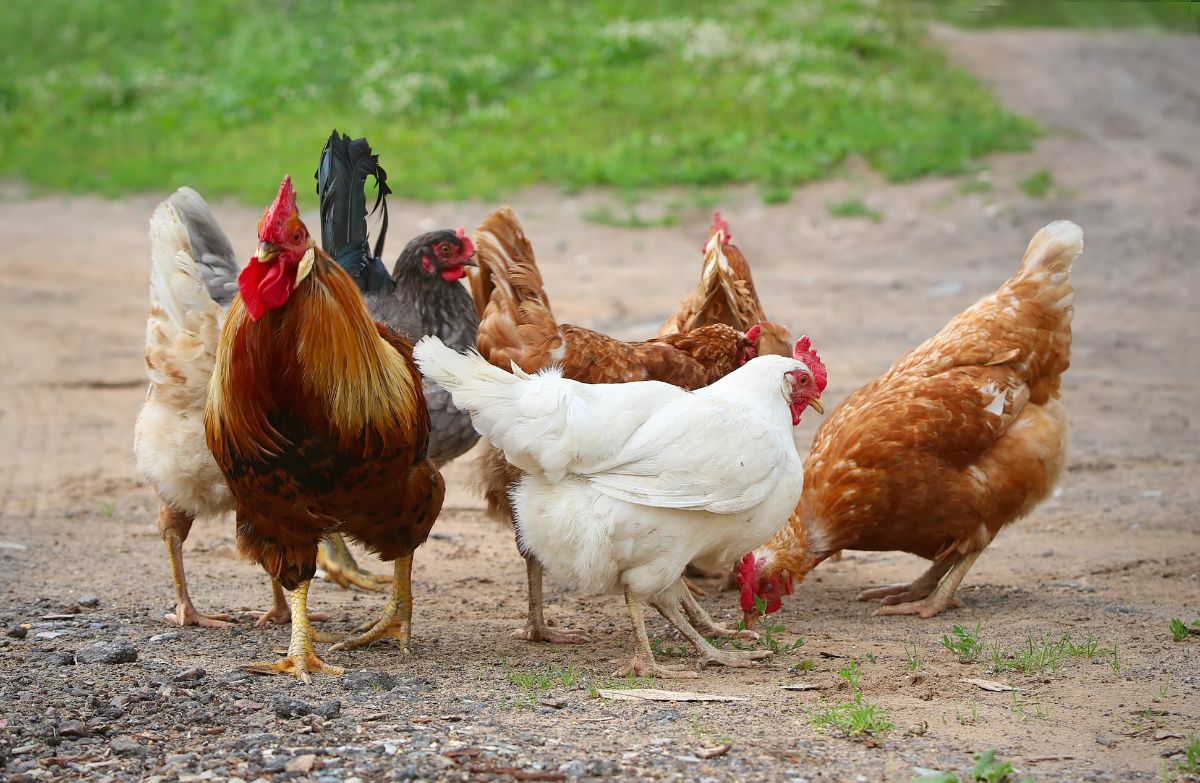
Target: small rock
<point x="169" y="636"/>
<point x="89" y="600"/>
<point x="302" y="763"/>
<point x="1106" y="741"/>
<point x="107" y="652"/>
<point x="329" y="709"/>
<point x="290" y="707"/>
<point x="367" y="680"/>
<point x="127" y="746"/>
<point x="17" y="632"/>
<point x="190" y="675"/>
<point x="574" y="769"/>
<point x="73" y="728"/>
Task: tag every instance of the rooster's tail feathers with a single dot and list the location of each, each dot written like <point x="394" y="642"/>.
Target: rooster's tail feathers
<point x="341" y="189"/>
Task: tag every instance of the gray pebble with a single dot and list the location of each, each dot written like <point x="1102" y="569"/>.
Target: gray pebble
<point x="17" y="632"/>
<point x="126" y="746"/>
<point x="90" y="600"/>
<point x="119" y="651"/>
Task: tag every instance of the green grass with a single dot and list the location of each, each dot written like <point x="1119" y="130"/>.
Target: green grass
<point x="1191" y="762"/>
<point x="481" y="97"/>
<point x="1084" y="14"/>
<point x="964" y="643"/>
<point x="853" y="207"/>
<point x="1037" y="184"/>
<point x="987" y="769"/>
<point x="854" y="718"/>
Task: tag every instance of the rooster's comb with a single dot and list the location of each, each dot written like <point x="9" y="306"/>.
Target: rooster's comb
<point x="273" y="225"/>
<point x="804" y="352"/>
<point x="719" y="224"/>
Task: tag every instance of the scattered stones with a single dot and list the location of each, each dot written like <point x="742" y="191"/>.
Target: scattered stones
<point x="291" y="707"/>
<point x="107" y="652"/>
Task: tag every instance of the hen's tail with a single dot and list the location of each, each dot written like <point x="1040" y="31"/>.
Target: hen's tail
<point x="184" y="322"/>
<point x="341" y="189"/>
<point x="472" y="380"/>
<point x="513" y="307"/>
<point x="1045" y="273"/>
<point x="211" y="248"/>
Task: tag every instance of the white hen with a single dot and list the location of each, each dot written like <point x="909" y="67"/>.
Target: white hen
<point x="628" y="483"/>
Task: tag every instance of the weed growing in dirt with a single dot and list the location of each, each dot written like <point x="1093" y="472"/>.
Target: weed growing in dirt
<point x="1191" y="761"/>
<point x="768" y="635"/>
<point x="1019" y="705"/>
<point x="1179" y="631"/>
<point x="538" y="682"/>
<point x="852" y="208"/>
<point x="1037" y="184"/>
<point x="912" y="657"/>
<point x="987" y="769"/>
<point x="964" y="643"/>
<point x="854" y="718"/>
<point x="807" y="665"/>
<point x="970" y="715"/>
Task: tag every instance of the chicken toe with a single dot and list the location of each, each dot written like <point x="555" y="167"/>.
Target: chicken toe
<point x="642" y="663"/>
<point x="708" y="653"/>
<point x="703" y="622"/>
<point x="537" y="627"/>
<point x="301" y="661"/>
<point x="280" y="612"/>
<point x="940" y="598"/>
<point x="340" y="567"/>
<point x="396" y="621"/>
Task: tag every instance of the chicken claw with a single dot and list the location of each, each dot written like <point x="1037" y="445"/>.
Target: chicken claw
<point x="642" y="663"/>
<point x="396" y="621"/>
<point x="940" y="593"/>
<point x="301" y="661"/>
<point x="708" y="653"/>
<point x="702" y="621"/>
<point x="174" y="525"/>
<point x="185" y="614"/>
<point x="340" y="567"/>
<point x="537" y="627"/>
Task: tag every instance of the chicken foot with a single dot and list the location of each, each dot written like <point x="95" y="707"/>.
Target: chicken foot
<point x="301" y="660"/>
<point x="280" y="612"/>
<point x="642" y="663"/>
<point x="174" y="524"/>
<point x="708" y="653"/>
<point x="942" y="596"/>
<point x="340" y="567"/>
<point x="396" y="621"/>
<point x="537" y="627"/>
<point x="917" y="588"/>
<point x="703" y="622"/>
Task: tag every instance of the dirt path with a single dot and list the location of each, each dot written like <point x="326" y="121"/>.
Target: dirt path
<point x="1116" y="554"/>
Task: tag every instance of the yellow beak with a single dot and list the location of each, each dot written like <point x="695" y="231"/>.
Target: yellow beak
<point x="817" y="404"/>
<point x="267" y="252"/>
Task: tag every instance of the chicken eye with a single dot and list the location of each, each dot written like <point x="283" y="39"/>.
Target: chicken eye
<point x="803" y="380"/>
<point x="296" y="237"/>
<point x="442" y="249"/>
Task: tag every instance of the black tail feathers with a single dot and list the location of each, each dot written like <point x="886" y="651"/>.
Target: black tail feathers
<point x="341" y="188"/>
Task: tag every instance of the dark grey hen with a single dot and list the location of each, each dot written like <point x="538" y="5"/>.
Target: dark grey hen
<point x="422" y="295"/>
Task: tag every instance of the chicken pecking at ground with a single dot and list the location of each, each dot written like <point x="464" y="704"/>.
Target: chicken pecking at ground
<point x="962" y="436"/>
<point x="421" y="296"/>
<point x="625" y="484"/>
<point x="317" y="420"/>
<point x="725" y="294"/>
<point x="517" y="326"/>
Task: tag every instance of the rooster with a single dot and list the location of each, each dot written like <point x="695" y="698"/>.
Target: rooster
<point x="725" y="294"/>
<point x="517" y="327"/>
<point x="316" y="418"/>
<point x="625" y="484"/>
<point x="962" y="436"/>
<point x="422" y="295"/>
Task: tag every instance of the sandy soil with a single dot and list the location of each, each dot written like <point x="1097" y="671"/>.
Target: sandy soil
<point x="1115" y="554"/>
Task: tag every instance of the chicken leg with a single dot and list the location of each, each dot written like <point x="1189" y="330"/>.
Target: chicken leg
<point x="396" y="621"/>
<point x="537" y="627"/>
<point x="708" y="654"/>
<point x="280" y="613"/>
<point x="941" y="597"/>
<point x="918" y="588"/>
<point x="174" y="524"/>
<point x="340" y="567"/>
<point x="301" y="659"/>
<point x="642" y="663"/>
<point x="703" y="622"/>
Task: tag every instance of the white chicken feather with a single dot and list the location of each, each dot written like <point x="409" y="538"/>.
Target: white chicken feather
<point x="627" y="483"/>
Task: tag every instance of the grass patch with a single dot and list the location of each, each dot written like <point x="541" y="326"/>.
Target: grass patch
<point x="987" y="769"/>
<point x="853" y="208"/>
<point x="1037" y="184"/>
<point x="964" y="643"/>
<point x="1191" y="760"/>
<point x="854" y="718"/>
<point x="228" y="95"/>
<point x="1047" y="653"/>
<point x="537" y="683"/>
<point x="1085" y="14"/>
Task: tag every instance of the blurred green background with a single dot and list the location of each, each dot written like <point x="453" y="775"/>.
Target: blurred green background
<point x="116" y="96"/>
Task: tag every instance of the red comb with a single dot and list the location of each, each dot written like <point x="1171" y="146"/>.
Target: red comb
<point x="804" y="352"/>
<point x="753" y="332"/>
<point x="468" y="250"/>
<point x="273" y="225"/>
<point x="719" y="224"/>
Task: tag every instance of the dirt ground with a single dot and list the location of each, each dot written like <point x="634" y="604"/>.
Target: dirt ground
<point x="1115" y="554"/>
